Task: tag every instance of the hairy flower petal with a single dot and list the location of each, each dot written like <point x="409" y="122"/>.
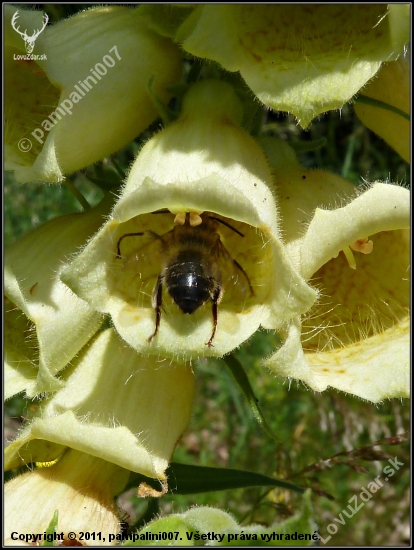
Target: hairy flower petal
<point x="68" y="105"/>
<point x="202" y="163"/>
<point x="304" y="59"/>
<point x="115" y="405"/>
<point x="356" y="336"/>
<point x="79" y="486"/>
<point x="61" y="323"/>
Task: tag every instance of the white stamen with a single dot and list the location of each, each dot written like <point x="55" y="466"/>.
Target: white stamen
<point x="180" y="219"/>
<point x="195" y="219"/>
<point x="350" y="257"/>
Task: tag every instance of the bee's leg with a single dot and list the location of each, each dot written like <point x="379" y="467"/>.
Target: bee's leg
<point x="246" y="276"/>
<point x="148" y="232"/>
<point x="215" y="299"/>
<point x="157" y="304"/>
<point x="118" y="244"/>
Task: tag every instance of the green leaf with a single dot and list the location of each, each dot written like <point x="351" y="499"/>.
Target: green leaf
<point x="51" y="530"/>
<point x="184" y="479"/>
<point x="241" y="378"/>
<point x="366" y="100"/>
<point x="305" y="146"/>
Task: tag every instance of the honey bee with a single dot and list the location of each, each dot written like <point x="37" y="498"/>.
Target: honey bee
<point x="195" y="264"/>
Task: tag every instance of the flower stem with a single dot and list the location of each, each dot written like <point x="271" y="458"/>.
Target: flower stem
<point x="76" y="193"/>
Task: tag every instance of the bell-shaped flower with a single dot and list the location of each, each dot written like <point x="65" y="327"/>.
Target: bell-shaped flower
<point x="45" y="323"/>
<point x="389" y="119"/>
<point x="63" y="107"/>
<point x="215" y="253"/>
<point x="117" y="406"/>
<point x="354" y="245"/>
<point x="80" y="487"/>
<point x="302" y="58"/>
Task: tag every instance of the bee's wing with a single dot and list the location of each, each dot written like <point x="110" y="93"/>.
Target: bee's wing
<point x="150" y="258"/>
<point x="143" y="259"/>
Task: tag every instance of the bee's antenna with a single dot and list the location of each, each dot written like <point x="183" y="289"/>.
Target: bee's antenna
<point x="227" y="225"/>
<point x="162" y="211"/>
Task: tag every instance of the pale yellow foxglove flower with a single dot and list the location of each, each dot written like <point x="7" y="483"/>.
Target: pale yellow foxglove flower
<point x="80" y="487"/>
<point x="45" y="323"/>
<point x="354" y="246"/>
<point x="85" y="93"/>
<point x="206" y="165"/>
<point x="115" y="405"/>
<point x="391" y="85"/>
<point x="302" y="58"/>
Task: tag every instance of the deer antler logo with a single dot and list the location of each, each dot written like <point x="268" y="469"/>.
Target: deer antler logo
<point x="29" y="41"/>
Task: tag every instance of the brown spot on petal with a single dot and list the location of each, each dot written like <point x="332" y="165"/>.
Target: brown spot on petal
<point x="32" y="288"/>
